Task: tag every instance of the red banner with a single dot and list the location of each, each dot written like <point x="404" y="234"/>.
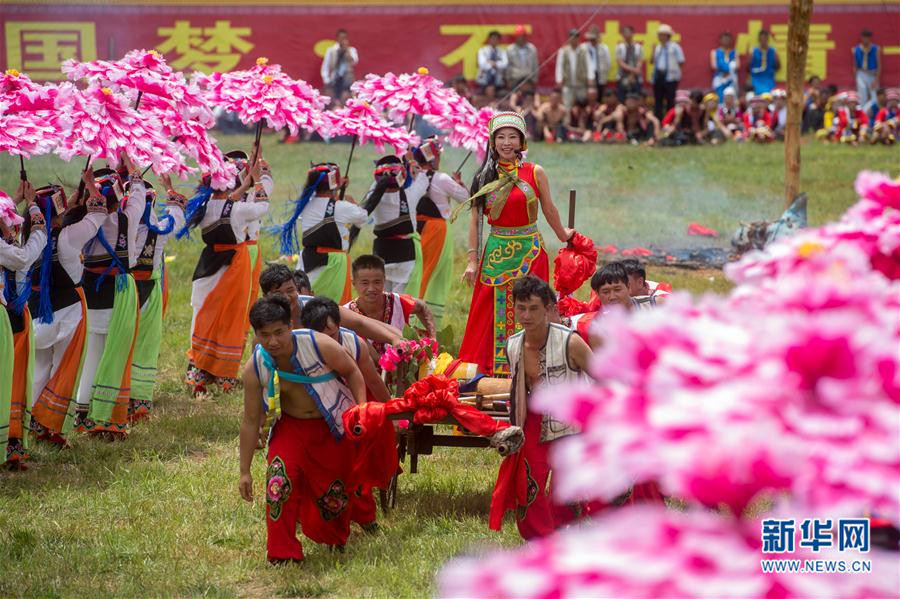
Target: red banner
<point x="445" y="37"/>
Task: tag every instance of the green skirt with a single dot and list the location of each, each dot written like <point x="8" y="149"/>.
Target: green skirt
<point x="6" y="372"/>
<point x="146" y="351"/>
<point x="333" y="280"/>
<point x="111" y="390"/>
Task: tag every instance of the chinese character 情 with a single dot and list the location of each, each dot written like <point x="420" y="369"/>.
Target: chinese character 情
<point x="206" y="49"/>
<point x="853" y="533"/>
<point x="38" y="48"/>
<point x="816" y="534"/>
<point x="778" y="536"/>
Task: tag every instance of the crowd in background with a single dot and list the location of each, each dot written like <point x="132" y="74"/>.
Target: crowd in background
<point x="587" y="105"/>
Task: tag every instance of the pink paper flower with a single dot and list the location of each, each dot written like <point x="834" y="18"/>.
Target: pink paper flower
<point x="145" y="72"/>
<point x="20" y="93"/>
<point x="409" y="94"/>
<point x="651" y="552"/>
<point x="27" y="133"/>
<point x="8" y="214"/>
<point x="361" y="119"/>
<point x="265" y="92"/>
<point x="100" y="123"/>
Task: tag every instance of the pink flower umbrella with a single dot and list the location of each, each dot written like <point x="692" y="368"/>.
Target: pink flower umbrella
<point x="192" y="137"/>
<point x="366" y="124"/>
<point x="264" y="92"/>
<point x="23" y="94"/>
<point x="100" y="124"/>
<point x="146" y="72"/>
<point x="409" y="95"/>
<point x="30" y="125"/>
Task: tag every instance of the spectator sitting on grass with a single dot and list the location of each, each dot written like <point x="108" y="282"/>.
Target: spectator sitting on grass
<point x="712" y="130"/>
<point x="526" y="103"/>
<point x="758" y="121"/>
<point x="552" y="118"/>
<point x="886" y="121"/>
<point x="608" y="120"/>
<point x="730" y="116"/>
<point x="682" y="123"/>
<point x="876" y="104"/>
<point x="779" y="113"/>
<point x="639" y="123"/>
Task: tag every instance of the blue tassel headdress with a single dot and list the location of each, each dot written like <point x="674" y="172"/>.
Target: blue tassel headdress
<point x="195" y="209"/>
<point x="288" y="231"/>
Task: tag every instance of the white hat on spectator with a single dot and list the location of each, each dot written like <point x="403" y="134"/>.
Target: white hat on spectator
<point x="779" y="93"/>
<point x="666" y="29"/>
<point x="729" y="91"/>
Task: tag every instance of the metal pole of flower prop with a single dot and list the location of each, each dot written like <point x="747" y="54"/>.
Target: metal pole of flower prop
<point x="29" y="123"/>
<point x="264" y="93"/>
<point x="739" y="406"/>
<point x="574" y="264"/>
<point x="366" y="124"/>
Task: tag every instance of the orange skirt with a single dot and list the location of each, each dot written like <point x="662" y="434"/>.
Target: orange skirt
<point x="220" y="329"/>
<point x="21" y="381"/>
<point x="51" y="407"/>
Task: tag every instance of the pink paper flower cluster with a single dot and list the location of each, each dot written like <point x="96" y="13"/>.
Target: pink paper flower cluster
<point x="470" y="131"/>
<point x="22" y="94"/>
<point x="645" y="552"/>
<point x="787" y="390"/>
<point x="363" y="120"/>
<point x="102" y="124"/>
<point x="409" y="94"/>
<point x="265" y="92"/>
<point x="146" y="72"/>
<point x="27" y="133"/>
<point x="412" y="351"/>
<point x="8" y="214"/>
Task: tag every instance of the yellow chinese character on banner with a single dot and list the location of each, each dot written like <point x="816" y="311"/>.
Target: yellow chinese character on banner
<point x="38" y="48"/>
<point x="206" y="49"/>
<point x="467" y="52"/>
<point x="816" y="53"/>
<point x="648" y="39"/>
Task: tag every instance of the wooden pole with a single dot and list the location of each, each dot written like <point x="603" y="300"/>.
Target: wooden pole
<point x="798" y="41"/>
<point x="22" y="174"/>
<point x="571" y="208"/>
<point x="349" y="162"/>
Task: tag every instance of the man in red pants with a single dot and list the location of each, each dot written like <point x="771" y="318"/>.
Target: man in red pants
<point x="376" y="459"/>
<point x="303" y="381"/>
<point x="541" y="354"/>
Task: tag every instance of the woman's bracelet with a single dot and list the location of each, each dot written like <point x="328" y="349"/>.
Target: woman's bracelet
<point x="472" y="251"/>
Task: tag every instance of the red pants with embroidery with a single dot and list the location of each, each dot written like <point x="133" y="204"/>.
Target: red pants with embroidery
<point x="306" y="482"/>
<point x="542" y="515"/>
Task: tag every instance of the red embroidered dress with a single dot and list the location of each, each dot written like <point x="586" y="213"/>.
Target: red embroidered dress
<point x="514" y="248"/>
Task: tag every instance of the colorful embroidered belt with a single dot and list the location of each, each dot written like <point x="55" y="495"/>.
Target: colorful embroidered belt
<point x="509" y="253"/>
<point x="531" y="229"/>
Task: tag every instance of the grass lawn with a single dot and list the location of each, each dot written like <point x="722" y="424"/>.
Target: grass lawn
<point x="159" y="514"/>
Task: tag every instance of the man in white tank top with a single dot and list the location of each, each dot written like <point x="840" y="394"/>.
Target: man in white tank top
<point x="305" y="380"/>
<point x="542" y="354"/>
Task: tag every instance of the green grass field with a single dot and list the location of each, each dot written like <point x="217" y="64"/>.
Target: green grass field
<point x="159" y="514"/>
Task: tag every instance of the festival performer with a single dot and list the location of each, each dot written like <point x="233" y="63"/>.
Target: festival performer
<point x="112" y="302"/>
<point x="16" y="344"/>
<point x="323" y="315"/>
<point x="886" y="121"/>
<point x="758" y="120"/>
<point x="508" y="191"/>
<point x="542" y="354"/>
<point x="389" y="307"/>
<point x="253" y="227"/>
<point x="852" y="122"/>
<point x="432" y="213"/>
<point x="221" y="282"/>
<point x="153" y="235"/>
<point x="392" y="201"/>
<point x="278" y="278"/>
<point x="303" y="381"/>
<point x="326" y="220"/>
<point x="641" y="289"/>
<point x="57" y="304"/>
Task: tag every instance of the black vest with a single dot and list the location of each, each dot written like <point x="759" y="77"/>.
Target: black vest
<point x="219" y="232"/>
<point x="325" y="234"/>
<point x="102" y="298"/>
<point x="386" y="246"/>
<point x="63" y="290"/>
